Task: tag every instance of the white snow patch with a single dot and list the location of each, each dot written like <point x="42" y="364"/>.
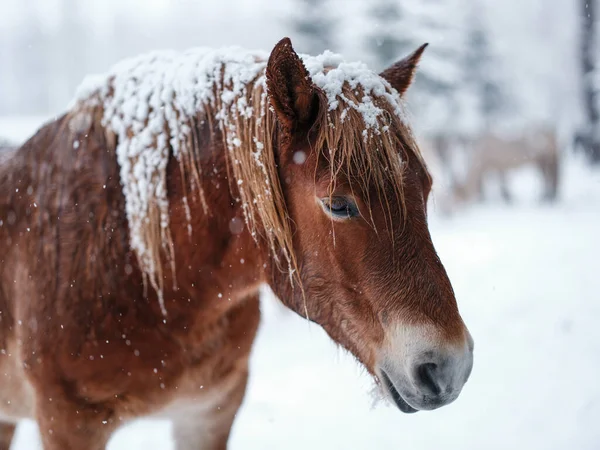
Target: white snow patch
<point x="330" y="72"/>
<point x="299" y="157"/>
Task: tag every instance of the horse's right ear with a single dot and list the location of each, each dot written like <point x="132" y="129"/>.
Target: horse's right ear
<point x="401" y="74"/>
<point x="292" y="93"/>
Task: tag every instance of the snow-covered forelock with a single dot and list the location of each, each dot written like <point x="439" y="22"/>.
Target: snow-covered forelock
<point x="330" y="72"/>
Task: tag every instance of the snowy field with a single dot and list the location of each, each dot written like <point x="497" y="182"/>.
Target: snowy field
<point x="527" y="280"/>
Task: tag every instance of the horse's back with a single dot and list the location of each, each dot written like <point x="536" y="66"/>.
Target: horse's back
<point x="41" y="244"/>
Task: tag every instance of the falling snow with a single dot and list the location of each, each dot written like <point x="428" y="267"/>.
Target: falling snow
<point x="299" y="157"/>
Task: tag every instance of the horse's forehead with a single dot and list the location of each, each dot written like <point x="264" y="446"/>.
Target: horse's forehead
<point x="353" y="86"/>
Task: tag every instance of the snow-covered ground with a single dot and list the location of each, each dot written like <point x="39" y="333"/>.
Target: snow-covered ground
<point x="527" y="278"/>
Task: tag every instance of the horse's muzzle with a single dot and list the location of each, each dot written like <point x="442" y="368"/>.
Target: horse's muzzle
<point x="425" y="374"/>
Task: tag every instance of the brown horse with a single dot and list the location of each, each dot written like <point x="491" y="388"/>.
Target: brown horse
<point x="137" y="228"/>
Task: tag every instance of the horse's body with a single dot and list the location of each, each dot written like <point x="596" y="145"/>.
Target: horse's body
<point x="136" y="229"/>
<point x="102" y="337"/>
<point x="494" y="155"/>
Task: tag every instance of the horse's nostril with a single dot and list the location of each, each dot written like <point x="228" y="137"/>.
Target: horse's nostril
<point x="427" y="377"/>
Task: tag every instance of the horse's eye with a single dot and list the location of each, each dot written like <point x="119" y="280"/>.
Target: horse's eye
<point x="340" y="207"/>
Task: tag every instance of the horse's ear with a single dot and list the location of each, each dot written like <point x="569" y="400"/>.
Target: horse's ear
<point x="292" y="93"/>
<point x="400" y="75"/>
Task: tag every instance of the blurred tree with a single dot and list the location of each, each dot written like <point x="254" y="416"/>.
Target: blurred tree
<point x="589" y="136"/>
<point x="25" y="86"/>
<point x="315" y="26"/>
<point x="33" y="67"/>
<point x="71" y="43"/>
<point x="438" y="98"/>
<point x="483" y="82"/>
<point x="389" y="41"/>
<point x="437" y="93"/>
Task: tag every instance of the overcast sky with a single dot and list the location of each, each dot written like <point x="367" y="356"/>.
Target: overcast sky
<point x="536" y="37"/>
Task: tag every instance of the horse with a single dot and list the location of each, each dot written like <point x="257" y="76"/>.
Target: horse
<point x="495" y="155"/>
<point x="137" y="228"/>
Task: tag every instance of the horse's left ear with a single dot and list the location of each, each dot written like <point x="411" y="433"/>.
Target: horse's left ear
<point x="401" y="74"/>
<point x="291" y="90"/>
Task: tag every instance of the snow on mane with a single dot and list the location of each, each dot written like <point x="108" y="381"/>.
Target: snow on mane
<point x="149" y="102"/>
<point x="329" y="72"/>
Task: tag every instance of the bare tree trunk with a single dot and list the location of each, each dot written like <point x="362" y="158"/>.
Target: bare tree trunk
<point x="590" y="138"/>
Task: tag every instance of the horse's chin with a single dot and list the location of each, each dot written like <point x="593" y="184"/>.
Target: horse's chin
<point x="392" y="392"/>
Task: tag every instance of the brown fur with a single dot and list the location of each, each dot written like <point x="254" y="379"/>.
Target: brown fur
<point x="85" y="345"/>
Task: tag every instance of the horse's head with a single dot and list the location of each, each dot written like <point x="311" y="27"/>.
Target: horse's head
<point x="356" y="188"/>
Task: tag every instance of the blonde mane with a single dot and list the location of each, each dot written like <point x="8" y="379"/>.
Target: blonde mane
<point x="152" y="104"/>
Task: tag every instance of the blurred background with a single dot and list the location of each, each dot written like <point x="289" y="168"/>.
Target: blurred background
<point x="506" y="107"/>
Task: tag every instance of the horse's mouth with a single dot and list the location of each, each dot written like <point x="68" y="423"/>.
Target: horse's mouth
<point x="398" y="400"/>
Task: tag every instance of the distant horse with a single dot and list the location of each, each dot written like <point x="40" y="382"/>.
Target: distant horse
<point x="137" y="228"/>
<point x="493" y="155"/>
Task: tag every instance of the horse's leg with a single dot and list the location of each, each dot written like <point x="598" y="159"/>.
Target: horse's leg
<point x="207" y="427"/>
<point x="549" y="170"/>
<point x="7" y="431"/>
<point x="554" y="180"/>
<point x="504" y="187"/>
<point x="206" y="424"/>
<point x="65" y="425"/>
<point x="545" y="172"/>
<point x="480" y="187"/>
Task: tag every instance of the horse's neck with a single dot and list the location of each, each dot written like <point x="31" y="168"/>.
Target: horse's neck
<point x="213" y="247"/>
